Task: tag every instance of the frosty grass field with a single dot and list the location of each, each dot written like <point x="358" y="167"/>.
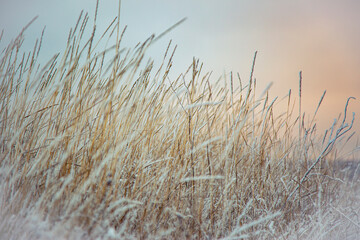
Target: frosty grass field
<point x="101" y="145"/>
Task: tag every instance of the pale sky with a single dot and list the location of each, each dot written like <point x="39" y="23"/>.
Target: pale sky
<point x="320" y="38"/>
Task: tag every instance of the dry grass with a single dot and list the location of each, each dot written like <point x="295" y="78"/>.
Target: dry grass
<point x="121" y="150"/>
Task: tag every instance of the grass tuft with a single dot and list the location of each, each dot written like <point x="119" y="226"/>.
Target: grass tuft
<point x="120" y="150"/>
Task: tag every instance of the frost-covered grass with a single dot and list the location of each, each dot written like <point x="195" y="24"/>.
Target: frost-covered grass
<point x="119" y="150"/>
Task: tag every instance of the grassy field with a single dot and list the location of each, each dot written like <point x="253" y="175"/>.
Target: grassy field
<point x="97" y="149"/>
